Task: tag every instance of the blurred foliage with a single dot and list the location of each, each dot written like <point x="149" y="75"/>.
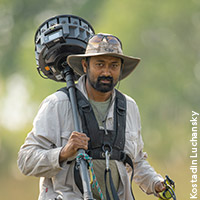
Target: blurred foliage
<point x="165" y="85"/>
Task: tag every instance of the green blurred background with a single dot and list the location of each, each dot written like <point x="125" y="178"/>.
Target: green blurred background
<point x="165" y="85"/>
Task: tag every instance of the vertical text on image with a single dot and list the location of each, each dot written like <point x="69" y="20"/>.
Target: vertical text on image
<point x="193" y="155"/>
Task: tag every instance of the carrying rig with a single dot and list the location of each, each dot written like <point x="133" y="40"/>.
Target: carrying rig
<point x="55" y="39"/>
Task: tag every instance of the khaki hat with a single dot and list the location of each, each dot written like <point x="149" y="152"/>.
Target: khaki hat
<point x="103" y="44"/>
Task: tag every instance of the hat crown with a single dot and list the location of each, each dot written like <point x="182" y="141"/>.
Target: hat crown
<point x="104" y="43"/>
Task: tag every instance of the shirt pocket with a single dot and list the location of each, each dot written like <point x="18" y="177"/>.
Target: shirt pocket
<point x="131" y="144"/>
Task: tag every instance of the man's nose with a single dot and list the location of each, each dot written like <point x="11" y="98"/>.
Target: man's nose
<point x="106" y="70"/>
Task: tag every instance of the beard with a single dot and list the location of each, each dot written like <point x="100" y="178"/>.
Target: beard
<point x="99" y="85"/>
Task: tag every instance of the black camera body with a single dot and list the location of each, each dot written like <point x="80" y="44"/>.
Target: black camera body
<point x="57" y="38"/>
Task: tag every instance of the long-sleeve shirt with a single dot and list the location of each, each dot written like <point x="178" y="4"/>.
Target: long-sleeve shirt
<point x="52" y="127"/>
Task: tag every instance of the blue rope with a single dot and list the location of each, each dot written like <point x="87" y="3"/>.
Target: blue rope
<point x="95" y="182"/>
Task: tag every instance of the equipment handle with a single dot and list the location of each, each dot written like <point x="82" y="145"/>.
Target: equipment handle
<point x="83" y="164"/>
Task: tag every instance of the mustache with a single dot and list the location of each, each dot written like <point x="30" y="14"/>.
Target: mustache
<point x="107" y="78"/>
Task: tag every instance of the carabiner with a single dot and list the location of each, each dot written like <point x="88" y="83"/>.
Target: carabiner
<point x="107" y="155"/>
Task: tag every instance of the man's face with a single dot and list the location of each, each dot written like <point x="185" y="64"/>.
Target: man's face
<point x="103" y="72"/>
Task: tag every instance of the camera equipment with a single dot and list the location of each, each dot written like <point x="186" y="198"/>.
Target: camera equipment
<point x="57" y="38"/>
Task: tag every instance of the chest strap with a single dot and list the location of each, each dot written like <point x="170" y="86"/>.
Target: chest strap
<point x="115" y="138"/>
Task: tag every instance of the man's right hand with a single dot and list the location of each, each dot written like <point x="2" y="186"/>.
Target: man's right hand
<point x="76" y="141"/>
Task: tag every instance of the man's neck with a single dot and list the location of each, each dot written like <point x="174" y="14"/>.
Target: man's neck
<point x="96" y="95"/>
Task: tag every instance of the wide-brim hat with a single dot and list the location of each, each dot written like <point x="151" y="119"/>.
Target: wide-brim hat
<point x="104" y="44"/>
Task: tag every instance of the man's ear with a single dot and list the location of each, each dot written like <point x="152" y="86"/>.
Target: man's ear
<point x="84" y="65"/>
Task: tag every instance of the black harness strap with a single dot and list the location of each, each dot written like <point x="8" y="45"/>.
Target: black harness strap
<point x="112" y="187"/>
<point x="120" y="122"/>
<point x="115" y="139"/>
<point x="89" y="122"/>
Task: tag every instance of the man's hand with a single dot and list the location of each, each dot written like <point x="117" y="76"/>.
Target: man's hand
<point x="76" y="141"/>
<point x="159" y="187"/>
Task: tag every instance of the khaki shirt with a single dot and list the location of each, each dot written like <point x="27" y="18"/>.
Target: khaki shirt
<point x="52" y="126"/>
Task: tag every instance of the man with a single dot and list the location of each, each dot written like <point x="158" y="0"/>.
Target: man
<point x="110" y="122"/>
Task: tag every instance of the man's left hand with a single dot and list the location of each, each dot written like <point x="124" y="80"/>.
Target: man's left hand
<point x="159" y="187"/>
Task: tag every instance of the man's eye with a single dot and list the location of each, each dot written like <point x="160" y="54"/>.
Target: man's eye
<point x="115" y="65"/>
<point x="99" y="64"/>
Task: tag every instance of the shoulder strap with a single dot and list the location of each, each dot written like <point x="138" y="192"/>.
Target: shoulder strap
<point x="65" y="90"/>
<point x="89" y="123"/>
<point x="120" y="120"/>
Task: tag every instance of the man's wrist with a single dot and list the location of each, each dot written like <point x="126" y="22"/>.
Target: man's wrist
<point x="62" y="155"/>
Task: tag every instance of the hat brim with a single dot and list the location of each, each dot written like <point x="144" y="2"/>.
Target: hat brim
<point x="129" y="62"/>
